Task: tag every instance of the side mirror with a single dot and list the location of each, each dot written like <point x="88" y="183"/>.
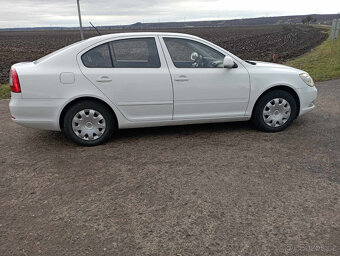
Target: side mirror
<point x="228" y="62"/>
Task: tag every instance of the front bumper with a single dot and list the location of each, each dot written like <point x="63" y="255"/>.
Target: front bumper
<point x="36" y="113"/>
<point x="307" y="96"/>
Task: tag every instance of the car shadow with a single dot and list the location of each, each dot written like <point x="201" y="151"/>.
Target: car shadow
<point x="182" y="130"/>
<point x="58" y="138"/>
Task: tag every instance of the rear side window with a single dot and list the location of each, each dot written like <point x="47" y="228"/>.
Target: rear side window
<point x="135" y="53"/>
<point x="98" y="57"/>
<point x="125" y="53"/>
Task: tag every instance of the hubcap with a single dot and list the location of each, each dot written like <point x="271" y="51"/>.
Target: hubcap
<point x="276" y="112"/>
<point x="88" y="124"/>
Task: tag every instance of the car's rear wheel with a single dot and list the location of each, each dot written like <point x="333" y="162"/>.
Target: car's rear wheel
<point x="274" y="111"/>
<point x="88" y="123"/>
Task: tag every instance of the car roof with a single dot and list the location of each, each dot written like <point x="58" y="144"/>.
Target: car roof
<point x="132" y="34"/>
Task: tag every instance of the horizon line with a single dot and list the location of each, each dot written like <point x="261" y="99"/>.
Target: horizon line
<point x="163" y="22"/>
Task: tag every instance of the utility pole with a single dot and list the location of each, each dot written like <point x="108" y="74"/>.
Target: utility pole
<point x="80" y="23"/>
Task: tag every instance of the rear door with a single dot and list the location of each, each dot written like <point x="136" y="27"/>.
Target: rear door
<point x="133" y="74"/>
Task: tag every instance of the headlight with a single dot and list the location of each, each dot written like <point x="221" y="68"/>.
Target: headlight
<point x="307" y="79"/>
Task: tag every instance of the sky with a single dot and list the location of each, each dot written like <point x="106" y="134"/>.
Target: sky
<point x="40" y="13"/>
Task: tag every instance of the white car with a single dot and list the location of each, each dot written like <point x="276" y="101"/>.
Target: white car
<point x="94" y="87"/>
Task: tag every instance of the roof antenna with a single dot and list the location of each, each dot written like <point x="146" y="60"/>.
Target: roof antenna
<point x="95" y="28"/>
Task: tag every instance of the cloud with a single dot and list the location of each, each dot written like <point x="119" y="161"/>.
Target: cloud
<point x="30" y="13"/>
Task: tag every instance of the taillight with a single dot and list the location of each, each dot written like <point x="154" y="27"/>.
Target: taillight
<point x="14" y="81"/>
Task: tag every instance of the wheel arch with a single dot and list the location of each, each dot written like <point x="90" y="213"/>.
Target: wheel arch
<point x="283" y="88"/>
<point x="86" y="98"/>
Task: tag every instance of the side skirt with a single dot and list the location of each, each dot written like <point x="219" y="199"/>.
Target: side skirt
<point x="126" y="125"/>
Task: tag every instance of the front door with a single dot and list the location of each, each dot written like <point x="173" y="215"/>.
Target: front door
<point x="133" y="75"/>
<point x="203" y="89"/>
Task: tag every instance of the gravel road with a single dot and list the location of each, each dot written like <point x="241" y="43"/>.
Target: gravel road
<point x="217" y="189"/>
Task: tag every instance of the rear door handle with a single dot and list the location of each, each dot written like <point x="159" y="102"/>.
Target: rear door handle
<point x="104" y="79"/>
<point x="182" y="78"/>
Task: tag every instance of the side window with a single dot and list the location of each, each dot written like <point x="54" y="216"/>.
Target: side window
<point x="187" y="53"/>
<point x="135" y="53"/>
<point x="98" y="57"/>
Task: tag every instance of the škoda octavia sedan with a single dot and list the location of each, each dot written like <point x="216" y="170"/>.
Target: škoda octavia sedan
<point x="94" y="87"/>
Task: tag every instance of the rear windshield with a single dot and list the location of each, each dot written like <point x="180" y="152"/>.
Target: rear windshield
<point x="56" y="52"/>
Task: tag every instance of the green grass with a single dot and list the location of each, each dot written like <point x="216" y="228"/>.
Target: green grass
<point x="321" y="63"/>
<point x="5" y="91"/>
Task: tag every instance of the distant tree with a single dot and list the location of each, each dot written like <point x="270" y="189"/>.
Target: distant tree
<point x="308" y="20"/>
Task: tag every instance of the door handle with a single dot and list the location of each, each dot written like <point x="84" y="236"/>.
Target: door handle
<point x="182" y="78"/>
<point x="104" y="79"/>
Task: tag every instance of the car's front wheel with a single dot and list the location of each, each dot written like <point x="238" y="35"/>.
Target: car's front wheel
<point x="274" y="111"/>
<point x="88" y="123"/>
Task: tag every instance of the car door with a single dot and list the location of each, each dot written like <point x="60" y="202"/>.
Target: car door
<point x="203" y="89"/>
<point x="133" y="75"/>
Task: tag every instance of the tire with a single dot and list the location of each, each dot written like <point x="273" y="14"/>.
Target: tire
<point x="274" y="111"/>
<point x="88" y="123"/>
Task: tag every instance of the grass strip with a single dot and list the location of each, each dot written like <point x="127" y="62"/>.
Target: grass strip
<point x="5" y="91"/>
<point x="322" y="62"/>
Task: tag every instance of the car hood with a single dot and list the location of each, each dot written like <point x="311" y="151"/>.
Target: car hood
<point x="261" y="64"/>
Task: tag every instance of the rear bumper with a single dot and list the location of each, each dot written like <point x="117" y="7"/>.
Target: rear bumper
<point x="36" y="113"/>
<point x="307" y="98"/>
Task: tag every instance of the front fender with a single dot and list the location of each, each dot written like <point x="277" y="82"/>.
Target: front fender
<point x="257" y="91"/>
